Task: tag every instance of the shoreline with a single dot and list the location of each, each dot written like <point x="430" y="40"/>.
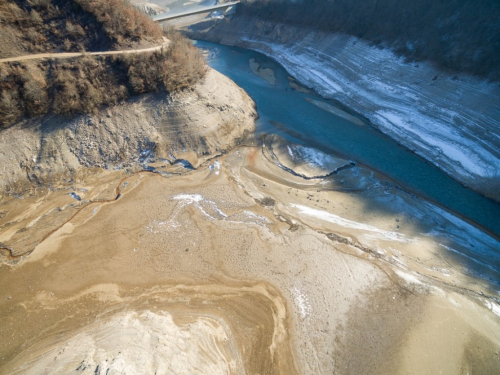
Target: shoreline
<point x="407" y="185"/>
<point x="229" y="33"/>
<point x="407" y="189"/>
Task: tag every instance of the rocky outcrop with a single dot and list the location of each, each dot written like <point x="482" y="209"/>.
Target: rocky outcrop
<point x="150" y="9"/>
<point x="193" y="125"/>
<point x="450" y="120"/>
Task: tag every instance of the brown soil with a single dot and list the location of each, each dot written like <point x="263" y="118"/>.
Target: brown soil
<point x="213" y="269"/>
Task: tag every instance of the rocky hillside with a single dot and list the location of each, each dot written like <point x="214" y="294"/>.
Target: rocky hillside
<point x="83" y="84"/>
<point x="151" y="131"/>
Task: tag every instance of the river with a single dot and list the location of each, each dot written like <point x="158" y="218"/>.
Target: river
<point x="303" y="122"/>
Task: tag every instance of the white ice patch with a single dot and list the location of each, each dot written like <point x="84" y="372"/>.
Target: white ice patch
<point x="494" y="307"/>
<point x="189" y="198"/>
<point x="327" y="216"/>
<point x="451" y="122"/>
<point x="256" y="217"/>
<point x="410" y="279"/>
<point x="215" y="166"/>
<point x="156" y="226"/>
<point x="302" y="302"/>
<point x="331" y="84"/>
<point x="196" y="199"/>
<point x="310" y="155"/>
<point x="213" y="212"/>
<point x="450" y="145"/>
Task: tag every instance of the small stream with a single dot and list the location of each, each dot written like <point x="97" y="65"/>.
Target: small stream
<point x="292" y="115"/>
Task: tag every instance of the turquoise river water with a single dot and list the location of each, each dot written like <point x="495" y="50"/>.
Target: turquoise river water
<point x="306" y="123"/>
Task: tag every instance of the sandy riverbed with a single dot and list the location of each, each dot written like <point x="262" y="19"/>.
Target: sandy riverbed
<point x="241" y="267"/>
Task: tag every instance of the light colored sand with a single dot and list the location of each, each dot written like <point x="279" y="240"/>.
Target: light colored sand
<point x="267" y="74"/>
<point x="297" y="86"/>
<point x="336" y="111"/>
<point x="218" y="269"/>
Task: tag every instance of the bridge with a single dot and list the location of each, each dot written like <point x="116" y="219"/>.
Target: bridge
<point x="204" y="9"/>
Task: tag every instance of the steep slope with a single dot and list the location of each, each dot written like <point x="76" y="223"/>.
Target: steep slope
<point x="461" y="35"/>
<point x="192" y="125"/>
<point x="52" y="83"/>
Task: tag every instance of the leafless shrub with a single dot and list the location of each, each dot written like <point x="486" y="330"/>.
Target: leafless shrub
<point x="34" y="91"/>
<point x="40" y="3"/>
<point x="9" y="12"/>
<point x="175" y="68"/>
<point x="10" y="110"/>
<point x="87" y="83"/>
<point x="121" y="20"/>
<point x="83" y="85"/>
<point x="74" y="31"/>
<point x="67" y="45"/>
<point x="35" y="17"/>
<point x="34" y="37"/>
<point x="184" y="64"/>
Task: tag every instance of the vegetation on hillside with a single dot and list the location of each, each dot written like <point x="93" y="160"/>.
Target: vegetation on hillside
<point x="84" y="84"/>
<point x="34" y="26"/>
<point x="120" y="20"/>
<point x="462" y="35"/>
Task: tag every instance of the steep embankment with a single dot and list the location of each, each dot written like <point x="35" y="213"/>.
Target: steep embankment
<point x="452" y="121"/>
<point x="194" y="125"/>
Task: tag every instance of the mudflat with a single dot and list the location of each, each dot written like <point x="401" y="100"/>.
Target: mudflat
<point x="238" y="267"/>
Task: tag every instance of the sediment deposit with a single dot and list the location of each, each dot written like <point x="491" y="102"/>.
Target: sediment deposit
<point x="244" y="267"/>
<point x="159" y="236"/>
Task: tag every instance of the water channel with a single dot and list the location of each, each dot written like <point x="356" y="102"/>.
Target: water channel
<point x="288" y="113"/>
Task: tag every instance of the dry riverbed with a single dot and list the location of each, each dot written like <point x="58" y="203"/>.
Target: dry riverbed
<point x="272" y="259"/>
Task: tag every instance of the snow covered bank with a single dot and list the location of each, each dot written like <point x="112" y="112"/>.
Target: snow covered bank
<point x="452" y="121"/>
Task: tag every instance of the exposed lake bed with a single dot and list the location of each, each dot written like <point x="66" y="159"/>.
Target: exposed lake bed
<point x="213" y="250"/>
<point x="242" y="266"/>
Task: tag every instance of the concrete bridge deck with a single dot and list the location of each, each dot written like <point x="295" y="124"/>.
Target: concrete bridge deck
<point x="173" y="15"/>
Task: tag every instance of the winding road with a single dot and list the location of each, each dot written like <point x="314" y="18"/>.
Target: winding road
<point x="68" y="55"/>
<point x="158" y="18"/>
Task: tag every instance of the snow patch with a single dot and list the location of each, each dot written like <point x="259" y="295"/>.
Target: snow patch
<point x="410" y="279"/>
<point x="310" y="155"/>
<point x="301" y="302"/>
<point x="453" y="123"/>
<point x="215" y="166"/>
<point x="327" y="216"/>
<point x="494" y="307"/>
